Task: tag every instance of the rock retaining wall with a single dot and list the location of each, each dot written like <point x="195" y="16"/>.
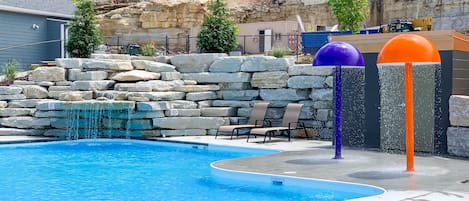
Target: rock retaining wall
<point x="458" y="134"/>
<point x="189" y="95"/>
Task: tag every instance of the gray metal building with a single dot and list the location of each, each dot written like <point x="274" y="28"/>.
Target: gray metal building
<point x="32" y="31"/>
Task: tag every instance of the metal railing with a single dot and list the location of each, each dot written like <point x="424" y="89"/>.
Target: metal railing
<point x="30" y="44"/>
<point x="164" y="45"/>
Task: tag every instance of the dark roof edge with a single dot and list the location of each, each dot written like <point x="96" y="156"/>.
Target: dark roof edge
<point x="33" y="12"/>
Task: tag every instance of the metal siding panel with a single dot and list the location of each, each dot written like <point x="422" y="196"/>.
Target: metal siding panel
<point x="53" y="33"/>
<point x="16" y="30"/>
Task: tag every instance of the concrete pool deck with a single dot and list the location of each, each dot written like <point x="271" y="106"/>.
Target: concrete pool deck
<point x="435" y="179"/>
<point x="23" y="139"/>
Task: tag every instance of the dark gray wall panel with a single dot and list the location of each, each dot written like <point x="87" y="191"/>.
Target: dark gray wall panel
<point x="15" y="30"/>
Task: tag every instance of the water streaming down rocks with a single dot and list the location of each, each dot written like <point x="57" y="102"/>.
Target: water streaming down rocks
<point x="189" y="95"/>
<point x="95" y="119"/>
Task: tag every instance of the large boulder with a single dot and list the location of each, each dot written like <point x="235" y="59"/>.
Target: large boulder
<point x="135" y="75"/>
<point x="92" y="85"/>
<point x="35" y="91"/>
<point x="227" y="64"/>
<point x="160" y="85"/>
<point x="307" y="69"/>
<point x="52" y="74"/>
<point x="275" y="79"/>
<point x="305" y="82"/>
<point x="459" y="110"/>
<point x="206" y="77"/>
<point x="5" y="90"/>
<point x="194" y="63"/>
<point x="256" y="63"/>
<point x="116" y="65"/>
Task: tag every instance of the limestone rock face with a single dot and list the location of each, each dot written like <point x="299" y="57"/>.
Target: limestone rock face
<point x="89" y="85"/>
<point x="34" y="91"/>
<point x="176" y="17"/>
<point x="275" y="79"/>
<point x="136" y="75"/>
<point x="75" y="96"/>
<point x="169" y="16"/>
<point x="160" y="85"/>
<point x="142" y="20"/>
<point x="117" y="65"/>
<point x="195" y="63"/>
<point x="52" y="74"/>
<point x="6" y="90"/>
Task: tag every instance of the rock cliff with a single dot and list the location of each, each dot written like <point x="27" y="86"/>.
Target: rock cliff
<point x="137" y="20"/>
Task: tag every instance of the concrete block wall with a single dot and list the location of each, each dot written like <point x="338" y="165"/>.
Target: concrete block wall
<point x="189" y="95"/>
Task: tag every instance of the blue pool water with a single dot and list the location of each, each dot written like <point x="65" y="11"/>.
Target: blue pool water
<point x="136" y="170"/>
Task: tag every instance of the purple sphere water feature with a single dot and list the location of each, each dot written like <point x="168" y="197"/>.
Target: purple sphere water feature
<point x="338" y="53"/>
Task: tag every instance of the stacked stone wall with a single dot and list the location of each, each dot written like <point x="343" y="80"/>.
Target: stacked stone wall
<point x="458" y="133"/>
<point x="180" y="95"/>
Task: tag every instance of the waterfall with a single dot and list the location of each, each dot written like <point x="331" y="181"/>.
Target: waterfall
<point x="72" y="123"/>
<point x="128" y="123"/>
<point x="92" y="119"/>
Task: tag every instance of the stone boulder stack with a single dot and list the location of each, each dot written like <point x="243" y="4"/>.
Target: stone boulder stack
<point x="458" y="133"/>
<point x="116" y="95"/>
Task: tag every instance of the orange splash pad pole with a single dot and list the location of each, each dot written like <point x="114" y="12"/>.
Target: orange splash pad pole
<point x="409" y="116"/>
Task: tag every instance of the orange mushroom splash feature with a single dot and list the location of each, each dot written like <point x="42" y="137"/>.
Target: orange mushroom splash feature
<point x="409" y="48"/>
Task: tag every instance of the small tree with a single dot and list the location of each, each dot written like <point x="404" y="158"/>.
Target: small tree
<point x="349" y="13"/>
<point x="218" y="31"/>
<point x="84" y="35"/>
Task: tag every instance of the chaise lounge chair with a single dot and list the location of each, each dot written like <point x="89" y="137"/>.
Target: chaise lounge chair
<point x="289" y="122"/>
<point x="256" y="119"/>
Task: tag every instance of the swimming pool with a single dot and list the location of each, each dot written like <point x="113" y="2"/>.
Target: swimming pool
<point x="139" y="170"/>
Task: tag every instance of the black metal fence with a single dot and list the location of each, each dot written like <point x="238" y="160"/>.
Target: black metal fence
<point x="184" y="44"/>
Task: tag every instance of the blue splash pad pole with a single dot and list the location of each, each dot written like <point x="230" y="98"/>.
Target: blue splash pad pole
<point x="338" y="112"/>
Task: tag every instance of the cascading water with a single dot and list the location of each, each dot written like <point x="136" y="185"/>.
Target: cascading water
<point x="91" y="120"/>
<point x="72" y="122"/>
<point x="128" y="124"/>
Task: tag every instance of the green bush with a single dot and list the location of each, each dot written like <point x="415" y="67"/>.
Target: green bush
<point x="84" y="35"/>
<point x="306" y="60"/>
<point x="218" y="31"/>
<point x="10" y="70"/>
<point x="278" y="52"/>
<point x="349" y="13"/>
<point x="148" y="49"/>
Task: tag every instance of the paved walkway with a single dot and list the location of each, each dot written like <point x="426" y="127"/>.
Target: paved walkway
<point x="435" y="178"/>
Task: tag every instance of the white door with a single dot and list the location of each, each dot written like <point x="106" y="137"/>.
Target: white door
<point x="267" y="40"/>
<point x="63" y="40"/>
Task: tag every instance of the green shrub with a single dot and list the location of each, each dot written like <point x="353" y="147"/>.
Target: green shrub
<point x="84" y="35"/>
<point x="148" y="48"/>
<point x="278" y="52"/>
<point x="306" y="60"/>
<point x="349" y="13"/>
<point x="218" y="31"/>
<point x="10" y="70"/>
